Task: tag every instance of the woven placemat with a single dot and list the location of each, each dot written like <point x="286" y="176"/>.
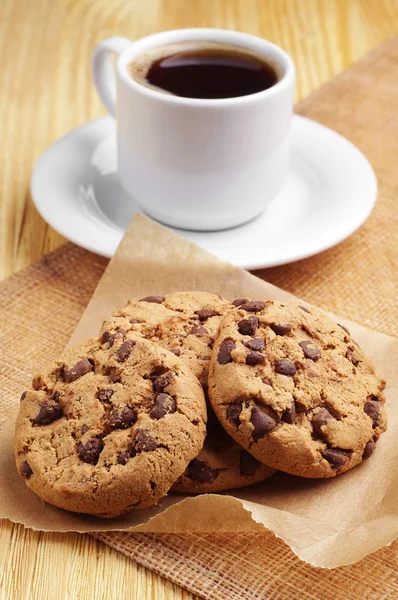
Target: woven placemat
<point x="40" y="307"/>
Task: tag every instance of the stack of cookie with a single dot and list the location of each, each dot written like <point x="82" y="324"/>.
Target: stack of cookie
<point x="120" y="420"/>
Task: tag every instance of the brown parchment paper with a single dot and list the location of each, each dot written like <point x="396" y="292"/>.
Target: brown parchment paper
<point x="326" y="523"/>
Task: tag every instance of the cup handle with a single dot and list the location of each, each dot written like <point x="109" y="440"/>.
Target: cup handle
<point x="102" y="70"/>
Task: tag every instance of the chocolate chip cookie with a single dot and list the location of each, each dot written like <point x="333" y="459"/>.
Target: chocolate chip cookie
<point x="221" y="464"/>
<point x="183" y="322"/>
<point x="109" y="426"/>
<point x="295" y="390"/>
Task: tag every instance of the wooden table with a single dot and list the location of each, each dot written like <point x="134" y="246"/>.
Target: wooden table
<point x="45" y="91"/>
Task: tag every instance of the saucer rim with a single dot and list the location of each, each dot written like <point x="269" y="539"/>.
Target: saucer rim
<point x="115" y="234"/>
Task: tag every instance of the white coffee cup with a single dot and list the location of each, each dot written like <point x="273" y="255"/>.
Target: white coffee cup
<point x="197" y="163"/>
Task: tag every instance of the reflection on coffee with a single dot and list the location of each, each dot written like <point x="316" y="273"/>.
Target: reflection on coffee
<point x="207" y="71"/>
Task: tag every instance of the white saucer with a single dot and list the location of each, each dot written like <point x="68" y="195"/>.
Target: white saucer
<point x="330" y="191"/>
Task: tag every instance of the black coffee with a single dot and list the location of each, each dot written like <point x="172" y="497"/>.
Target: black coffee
<point x="211" y="73"/>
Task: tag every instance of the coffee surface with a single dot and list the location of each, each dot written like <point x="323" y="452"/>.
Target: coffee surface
<point x="208" y="72"/>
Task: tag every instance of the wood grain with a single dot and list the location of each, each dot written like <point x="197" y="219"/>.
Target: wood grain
<point x="45" y="91"/>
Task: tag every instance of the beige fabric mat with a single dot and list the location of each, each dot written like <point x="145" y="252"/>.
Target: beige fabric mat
<point x="40" y="307"/>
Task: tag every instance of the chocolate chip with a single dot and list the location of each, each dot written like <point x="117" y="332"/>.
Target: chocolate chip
<point x="240" y="301"/>
<point x="115" y="378"/>
<point x="310" y="350"/>
<point x="305" y="309"/>
<point x="266" y="381"/>
<point x="50" y="411"/>
<point x="123" y="352"/>
<point x="123" y="457"/>
<point x="262" y="422"/>
<point x="254" y="358"/>
<point x="84" y="429"/>
<point x="253" y="306"/>
<point x="26" y="471"/>
<point x="344" y="328"/>
<point x="206" y="313"/>
<point x="350" y="355"/>
<point x="123" y="419"/>
<point x="164" y="405"/>
<point x="105" y="395"/>
<point x="159" y="370"/>
<point x="82" y="367"/>
<point x="107" y="338"/>
<point x="199" y="471"/>
<point x="369" y="449"/>
<point x="175" y="351"/>
<point x="281" y="328"/>
<point x="320" y="419"/>
<point x="163" y="380"/>
<point x="90" y="451"/>
<point x="198" y="330"/>
<point x="224" y="353"/>
<point x="143" y="441"/>
<point x="257" y="344"/>
<point x="157" y="299"/>
<point x="289" y="414"/>
<point x="23" y="396"/>
<point x="336" y="457"/>
<point x="248" y="465"/>
<point x="110" y="338"/>
<point x="285" y="367"/>
<point x="372" y="409"/>
<point x="128" y="416"/>
<point x="248" y="326"/>
<point x="233" y="412"/>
